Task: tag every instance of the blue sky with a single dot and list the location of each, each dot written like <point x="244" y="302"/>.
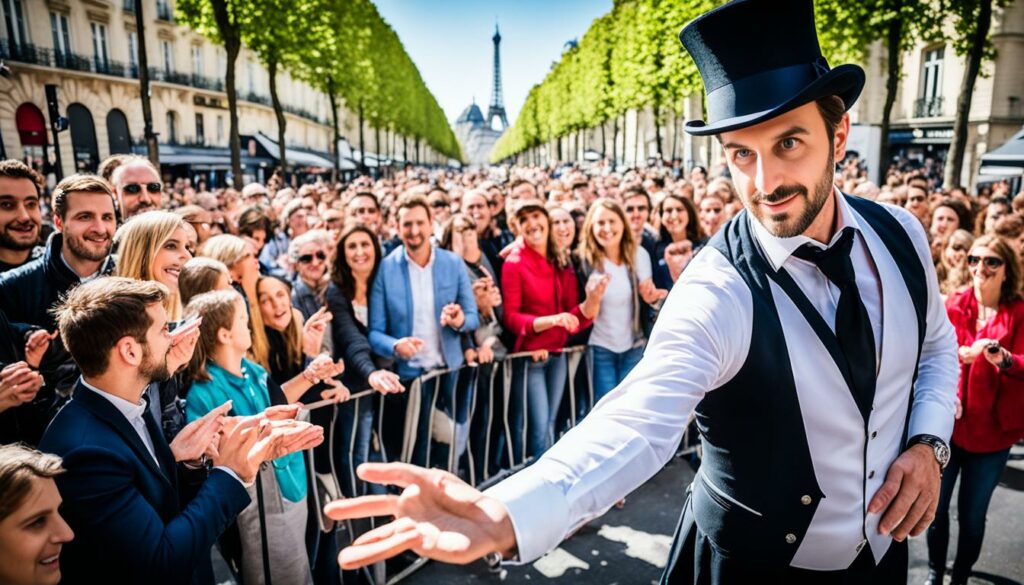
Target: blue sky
<point x="450" y="42"/>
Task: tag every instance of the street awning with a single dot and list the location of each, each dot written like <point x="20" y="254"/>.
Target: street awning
<point x="199" y="158"/>
<point x="298" y="158"/>
<point x="1009" y="155"/>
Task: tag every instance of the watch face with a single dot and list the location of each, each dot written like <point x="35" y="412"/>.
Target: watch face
<point x="942" y="454"/>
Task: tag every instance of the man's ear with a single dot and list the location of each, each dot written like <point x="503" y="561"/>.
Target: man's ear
<point x="58" y="223"/>
<point x="129" y="351"/>
<point x="842" y="133"/>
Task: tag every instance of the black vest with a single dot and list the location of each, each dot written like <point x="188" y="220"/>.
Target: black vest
<point x="756" y="489"/>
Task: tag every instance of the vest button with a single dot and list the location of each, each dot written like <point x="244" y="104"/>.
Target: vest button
<point x="871" y="474"/>
<point x="805" y="500"/>
<point x="790" y="538"/>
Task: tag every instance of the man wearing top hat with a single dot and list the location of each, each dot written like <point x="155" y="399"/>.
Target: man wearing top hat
<point x="808" y="338"/>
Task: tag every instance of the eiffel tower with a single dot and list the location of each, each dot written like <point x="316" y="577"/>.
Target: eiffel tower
<point x="497" y="108"/>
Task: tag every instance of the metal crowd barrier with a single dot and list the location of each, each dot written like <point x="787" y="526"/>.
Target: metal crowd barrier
<point x="476" y="414"/>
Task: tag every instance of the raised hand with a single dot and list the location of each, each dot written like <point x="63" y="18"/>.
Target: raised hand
<point x="37" y="345"/>
<point x="596" y="286"/>
<point x="566" y="321"/>
<point x="452" y="316"/>
<point x="182" y="347"/>
<point x="650" y="293"/>
<point x="677" y="256"/>
<point x="437" y="516"/>
<point x="19" y="384"/>
<point x="200" y="436"/>
<point x="313" y="331"/>
<point x="407" y="347"/>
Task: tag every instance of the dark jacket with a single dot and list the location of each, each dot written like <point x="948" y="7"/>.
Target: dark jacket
<point x="24" y="423"/>
<point x="350" y="341"/>
<point x="29" y="292"/>
<point x="124" y="509"/>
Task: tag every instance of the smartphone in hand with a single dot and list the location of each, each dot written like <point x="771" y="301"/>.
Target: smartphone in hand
<point x="187" y="326"/>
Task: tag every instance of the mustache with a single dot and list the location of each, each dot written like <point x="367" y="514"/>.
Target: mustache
<point x="779" y="194"/>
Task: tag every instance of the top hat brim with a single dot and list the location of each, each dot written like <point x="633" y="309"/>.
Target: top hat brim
<point x="845" y="81"/>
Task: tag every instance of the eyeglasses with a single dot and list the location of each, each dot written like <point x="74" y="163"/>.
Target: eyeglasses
<point x="439" y="204"/>
<point x="136" y="188"/>
<point x="916" y="199"/>
<point x="632" y="208"/>
<point x="363" y="210"/>
<point x="991" y="262"/>
<point x="307" y="258"/>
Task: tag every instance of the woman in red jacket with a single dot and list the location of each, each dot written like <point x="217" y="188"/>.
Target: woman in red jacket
<point x="542" y="309"/>
<point x="989" y="322"/>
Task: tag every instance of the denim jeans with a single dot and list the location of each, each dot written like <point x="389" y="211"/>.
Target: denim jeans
<point x="979" y="474"/>
<point x="611" y="368"/>
<point x="540" y="385"/>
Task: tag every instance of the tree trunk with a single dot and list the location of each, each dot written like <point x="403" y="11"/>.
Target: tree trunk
<point x="362" y="145"/>
<point x="657" y="132"/>
<point x="376" y="143"/>
<point x="955" y="162"/>
<point x="892" y="81"/>
<point x="282" y="123"/>
<point x="636" y="140"/>
<point x="336" y="174"/>
<point x="615" y="141"/>
<point x="604" y="139"/>
<point x="152" y="148"/>
<point x="230" y="35"/>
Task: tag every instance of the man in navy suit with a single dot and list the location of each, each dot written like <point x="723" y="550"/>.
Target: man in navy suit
<point x="121" y="491"/>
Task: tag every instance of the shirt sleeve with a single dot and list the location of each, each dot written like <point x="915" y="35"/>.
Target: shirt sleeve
<point x="938" y="368"/>
<point x="643" y="265"/>
<point x="699" y="343"/>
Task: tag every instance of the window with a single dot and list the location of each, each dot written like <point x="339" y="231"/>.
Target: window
<point x="220" y="129"/>
<point x="197" y="60"/>
<point x="168" y="56"/>
<point x="133" y="52"/>
<point x="222" y="59"/>
<point x="61" y="34"/>
<point x="172" y="128"/>
<point x="14" y="15"/>
<point x="99" y="47"/>
<point x="200" y="130"/>
<point x="930" y="102"/>
<point x="250" y="74"/>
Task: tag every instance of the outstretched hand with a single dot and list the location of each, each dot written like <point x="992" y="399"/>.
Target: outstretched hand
<point x="437" y="516"/>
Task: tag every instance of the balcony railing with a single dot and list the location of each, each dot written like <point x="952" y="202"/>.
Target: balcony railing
<point x="928" y="107"/>
<point x="256" y="98"/>
<point x="203" y="82"/>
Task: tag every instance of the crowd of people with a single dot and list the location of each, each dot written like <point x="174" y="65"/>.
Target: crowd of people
<point x="158" y="341"/>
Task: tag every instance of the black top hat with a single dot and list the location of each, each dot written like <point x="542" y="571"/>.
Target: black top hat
<point x="760" y="59"/>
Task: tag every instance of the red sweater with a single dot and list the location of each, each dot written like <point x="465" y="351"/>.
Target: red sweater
<point x="532" y="287"/>
<point x="993" y="401"/>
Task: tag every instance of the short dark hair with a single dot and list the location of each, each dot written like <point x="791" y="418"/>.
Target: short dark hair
<point x="94" y="316"/>
<point x="831" y="109"/>
<point x="78" y="184"/>
<point x="636" y="191"/>
<point x="252" y="219"/>
<point x="517" y="182"/>
<point x="414" y="200"/>
<point x="369" y="194"/>
<point x="109" y="165"/>
<point x="15" y="169"/>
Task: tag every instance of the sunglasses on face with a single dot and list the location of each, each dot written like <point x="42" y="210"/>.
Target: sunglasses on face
<point x="439" y="205"/>
<point x="916" y="199"/>
<point x="641" y="208"/>
<point x="136" y="188"/>
<point x="307" y="258"/>
<point x="991" y="262"/>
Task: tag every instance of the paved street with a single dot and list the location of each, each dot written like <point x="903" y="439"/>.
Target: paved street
<point x="631" y="545"/>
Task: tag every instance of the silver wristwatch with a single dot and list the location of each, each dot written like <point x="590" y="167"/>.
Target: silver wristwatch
<point x="939" y="447"/>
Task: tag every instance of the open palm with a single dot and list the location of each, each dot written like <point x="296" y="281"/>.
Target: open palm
<point x="437" y="515"/>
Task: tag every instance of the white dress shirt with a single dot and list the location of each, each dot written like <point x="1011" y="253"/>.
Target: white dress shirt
<point x="701" y="340"/>
<point x="132" y="412"/>
<point x="426" y="325"/>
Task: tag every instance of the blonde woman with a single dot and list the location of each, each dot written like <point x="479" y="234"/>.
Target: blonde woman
<point x="240" y="258"/>
<point x="155" y="246"/>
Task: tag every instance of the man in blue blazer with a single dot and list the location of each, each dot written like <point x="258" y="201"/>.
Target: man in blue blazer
<point x="420" y="305"/>
<point x="121" y="489"/>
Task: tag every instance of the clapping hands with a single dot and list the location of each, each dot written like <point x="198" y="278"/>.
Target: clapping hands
<point x="313" y="331"/>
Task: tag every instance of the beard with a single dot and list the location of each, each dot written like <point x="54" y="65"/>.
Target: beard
<point x="79" y="248"/>
<point x="150" y="369"/>
<point x="781" y="225"/>
<point x="18" y="241"/>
